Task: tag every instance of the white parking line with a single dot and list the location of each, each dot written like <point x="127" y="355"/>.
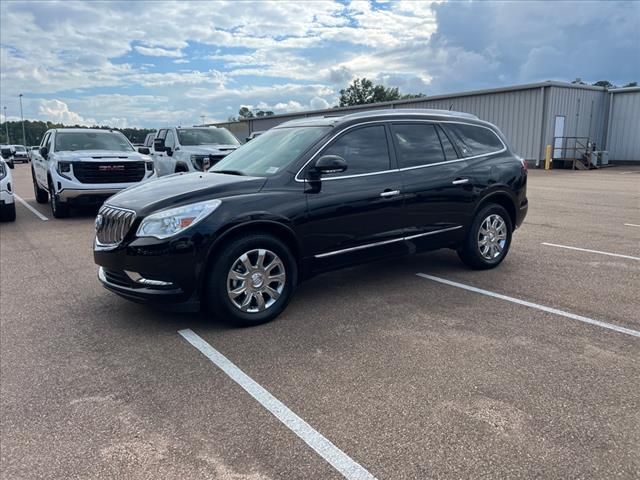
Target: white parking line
<point x="591" y="251"/>
<point x="33" y="210"/>
<point x="631" y="225"/>
<point x="327" y="450"/>
<point x="580" y="318"/>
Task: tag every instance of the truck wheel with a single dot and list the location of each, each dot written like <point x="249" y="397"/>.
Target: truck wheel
<point x="251" y="281"/>
<point x="58" y="209"/>
<point x="41" y="195"/>
<point x="488" y="239"/>
<point x="8" y="212"/>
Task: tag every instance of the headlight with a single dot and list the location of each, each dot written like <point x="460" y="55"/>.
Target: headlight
<point x="166" y="223"/>
<point x="64" y="167"/>
<point x="201" y="162"/>
<point x="149" y="166"/>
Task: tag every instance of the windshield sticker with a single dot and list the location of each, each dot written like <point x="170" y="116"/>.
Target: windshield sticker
<point x="272" y="169"/>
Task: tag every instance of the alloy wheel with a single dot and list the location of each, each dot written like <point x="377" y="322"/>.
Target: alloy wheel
<point x="256" y="280"/>
<point x="492" y="237"/>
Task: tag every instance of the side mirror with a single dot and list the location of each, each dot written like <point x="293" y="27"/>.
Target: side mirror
<point x="168" y="151"/>
<point x="144" y="150"/>
<point x="44" y="151"/>
<point x="247" y="139"/>
<point x="6" y="153"/>
<point x="330" y="164"/>
<point x="158" y="145"/>
<point x="11" y="165"/>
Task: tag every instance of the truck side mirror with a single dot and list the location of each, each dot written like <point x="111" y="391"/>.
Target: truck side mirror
<point x="158" y="145"/>
<point x="44" y="151"/>
<point x="144" y="150"/>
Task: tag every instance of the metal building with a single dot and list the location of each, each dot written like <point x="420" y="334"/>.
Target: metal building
<point x="531" y="116"/>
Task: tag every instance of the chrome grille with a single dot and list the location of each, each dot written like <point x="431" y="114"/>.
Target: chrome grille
<point x="112" y="224"/>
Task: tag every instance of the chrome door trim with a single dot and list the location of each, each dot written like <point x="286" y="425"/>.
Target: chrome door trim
<point x="385" y="242"/>
<point x="460" y="181"/>
<point x="426" y="234"/>
<point x="391" y="193"/>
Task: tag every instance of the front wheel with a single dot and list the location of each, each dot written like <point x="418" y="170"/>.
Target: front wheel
<point x="58" y="209"/>
<point x="489" y="238"/>
<point x="252" y="280"/>
<point x="41" y="195"/>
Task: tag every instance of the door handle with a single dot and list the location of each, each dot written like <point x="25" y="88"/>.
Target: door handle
<point x="390" y="193"/>
<point x="460" y="181"/>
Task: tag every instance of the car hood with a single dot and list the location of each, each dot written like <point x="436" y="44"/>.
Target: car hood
<point x="207" y="149"/>
<point x="183" y="188"/>
<point x="98" y="155"/>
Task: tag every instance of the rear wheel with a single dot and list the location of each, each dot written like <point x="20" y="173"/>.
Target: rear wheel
<point x="8" y="212"/>
<point x="252" y="280"/>
<point x="58" y="209"/>
<point x="41" y="195"/>
<point x="489" y="238"/>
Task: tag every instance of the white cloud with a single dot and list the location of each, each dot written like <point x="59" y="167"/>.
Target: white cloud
<point x="157" y="52"/>
<point x="59" y="112"/>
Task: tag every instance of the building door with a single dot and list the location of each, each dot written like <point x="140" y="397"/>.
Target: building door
<point x="558" y="131"/>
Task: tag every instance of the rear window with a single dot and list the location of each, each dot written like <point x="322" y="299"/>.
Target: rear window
<point x="473" y="140"/>
<point x="417" y="144"/>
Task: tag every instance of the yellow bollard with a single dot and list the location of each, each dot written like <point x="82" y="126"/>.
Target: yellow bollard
<point x="547" y="158"/>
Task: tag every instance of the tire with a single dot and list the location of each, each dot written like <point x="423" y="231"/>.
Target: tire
<point x="217" y="297"/>
<point x="11" y="164"/>
<point x="41" y="195"/>
<point x="8" y="212"/>
<point x="58" y="209"/>
<point x="480" y="251"/>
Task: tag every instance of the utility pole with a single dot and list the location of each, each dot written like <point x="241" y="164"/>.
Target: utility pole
<point x="6" y="125"/>
<point x="24" y="137"/>
<point x="203" y="117"/>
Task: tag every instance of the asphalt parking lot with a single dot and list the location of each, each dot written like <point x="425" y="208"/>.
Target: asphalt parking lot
<point x="400" y="376"/>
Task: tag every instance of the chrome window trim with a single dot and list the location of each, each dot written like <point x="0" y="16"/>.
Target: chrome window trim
<point x="302" y="180"/>
<point x="385" y="242"/>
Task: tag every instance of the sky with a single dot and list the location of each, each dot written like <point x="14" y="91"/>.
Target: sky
<point x="152" y="63"/>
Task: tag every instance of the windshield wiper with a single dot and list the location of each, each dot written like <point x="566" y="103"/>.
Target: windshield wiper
<point x="228" y="172"/>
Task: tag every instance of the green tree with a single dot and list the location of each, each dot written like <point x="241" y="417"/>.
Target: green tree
<point x="262" y="113"/>
<point x="244" y="112"/>
<point x="604" y="83"/>
<point x="363" y="91"/>
<point x="630" y="84"/>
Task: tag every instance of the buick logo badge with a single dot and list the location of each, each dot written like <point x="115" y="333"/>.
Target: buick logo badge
<point x="99" y="222"/>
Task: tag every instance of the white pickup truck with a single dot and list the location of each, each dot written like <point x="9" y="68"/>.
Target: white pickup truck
<point x="191" y="149"/>
<point x="86" y="166"/>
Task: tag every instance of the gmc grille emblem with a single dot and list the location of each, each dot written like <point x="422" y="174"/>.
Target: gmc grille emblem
<point x="111" y="168"/>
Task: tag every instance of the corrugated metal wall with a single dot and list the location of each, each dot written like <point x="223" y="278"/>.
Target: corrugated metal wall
<point x="518" y="114"/>
<point x="585" y="112"/>
<point x="624" y="127"/>
<point x="525" y="115"/>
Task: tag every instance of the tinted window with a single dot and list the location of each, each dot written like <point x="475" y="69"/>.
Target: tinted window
<point x="365" y="150"/>
<point x="206" y="136"/>
<point x="271" y="152"/>
<point x="45" y="140"/>
<point x="162" y="134"/>
<point x="417" y="144"/>
<point x="473" y="140"/>
<point x="447" y="146"/>
<point x="71" y="141"/>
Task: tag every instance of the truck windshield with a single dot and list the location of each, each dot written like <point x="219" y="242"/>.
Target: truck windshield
<point x="20" y="148"/>
<point x="206" y="136"/>
<point x="271" y="152"/>
<point x="71" y="141"/>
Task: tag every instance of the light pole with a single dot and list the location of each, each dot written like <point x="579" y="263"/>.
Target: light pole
<point x="6" y="125"/>
<point x="24" y="137"/>
<point x="203" y="118"/>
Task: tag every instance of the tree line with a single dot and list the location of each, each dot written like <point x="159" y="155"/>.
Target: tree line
<point x="35" y="130"/>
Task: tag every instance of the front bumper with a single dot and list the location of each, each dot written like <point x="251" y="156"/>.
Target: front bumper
<point x="152" y="271"/>
<point x="6" y="197"/>
<point x="71" y="190"/>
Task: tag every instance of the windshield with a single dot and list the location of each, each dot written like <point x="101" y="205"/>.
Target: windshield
<point x="271" y="152"/>
<point x="71" y="141"/>
<point x="206" y="136"/>
<point x="20" y="148"/>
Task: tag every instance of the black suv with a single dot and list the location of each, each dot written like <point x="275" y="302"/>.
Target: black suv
<point x="309" y="196"/>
